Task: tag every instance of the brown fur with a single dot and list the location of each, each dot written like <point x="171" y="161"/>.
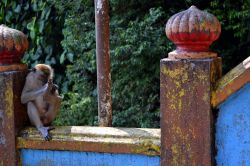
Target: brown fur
<point x="42" y="98"/>
<point x="46" y="69"/>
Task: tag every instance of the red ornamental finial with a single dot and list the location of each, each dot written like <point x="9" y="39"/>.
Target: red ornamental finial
<point x="13" y="44"/>
<point x="193" y="30"/>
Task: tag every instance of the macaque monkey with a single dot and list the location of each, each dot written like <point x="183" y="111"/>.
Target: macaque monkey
<point x="42" y="98"/>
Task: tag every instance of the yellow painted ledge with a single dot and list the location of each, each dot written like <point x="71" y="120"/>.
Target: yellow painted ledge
<point x="231" y="82"/>
<point x="94" y="139"/>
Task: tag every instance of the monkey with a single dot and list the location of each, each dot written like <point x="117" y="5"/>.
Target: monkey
<point x="42" y="98"/>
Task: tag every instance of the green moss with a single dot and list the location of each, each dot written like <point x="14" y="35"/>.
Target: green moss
<point x="8" y="94"/>
<point x="148" y="147"/>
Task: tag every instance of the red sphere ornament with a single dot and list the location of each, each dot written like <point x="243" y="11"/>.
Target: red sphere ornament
<point x="193" y="30"/>
<point x="13" y="44"/>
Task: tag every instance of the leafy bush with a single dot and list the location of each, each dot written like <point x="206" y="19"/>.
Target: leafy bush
<point x="38" y="20"/>
<point x="137" y="44"/>
<point x="80" y="103"/>
<point x="234" y="43"/>
<point x="62" y="33"/>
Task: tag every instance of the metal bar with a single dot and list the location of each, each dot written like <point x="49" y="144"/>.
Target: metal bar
<point x="103" y="63"/>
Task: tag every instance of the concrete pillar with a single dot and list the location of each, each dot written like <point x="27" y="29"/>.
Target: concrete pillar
<point x="13" y="115"/>
<point x="187" y="79"/>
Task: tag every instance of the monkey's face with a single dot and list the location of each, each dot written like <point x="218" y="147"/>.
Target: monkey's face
<point x="40" y="75"/>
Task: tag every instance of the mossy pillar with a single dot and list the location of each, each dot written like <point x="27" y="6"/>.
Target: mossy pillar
<point x="13" y="114"/>
<point x="187" y="79"/>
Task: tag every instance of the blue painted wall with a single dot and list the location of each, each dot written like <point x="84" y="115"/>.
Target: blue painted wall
<point x="31" y="157"/>
<point x="233" y="130"/>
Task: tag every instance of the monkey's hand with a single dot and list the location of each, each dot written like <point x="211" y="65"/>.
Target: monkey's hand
<point x="44" y="131"/>
<point x="50" y="85"/>
<point x="54" y="88"/>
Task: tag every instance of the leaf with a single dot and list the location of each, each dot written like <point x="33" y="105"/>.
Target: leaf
<point x="49" y="50"/>
<point x="26" y="7"/>
<point x="47" y="13"/>
<point x="5" y="2"/>
<point x="35" y="56"/>
<point x="34" y="6"/>
<point x="31" y="24"/>
<point x="41" y="25"/>
<point x="17" y="9"/>
<point x="70" y="57"/>
<point x="53" y="60"/>
<point x="41" y="5"/>
<point x="32" y="35"/>
<point x="62" y="57"/>
<point x="13" y="5"/>
<point x="8" y="16"/>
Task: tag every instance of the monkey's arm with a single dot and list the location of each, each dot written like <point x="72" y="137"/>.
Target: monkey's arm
<point x="30" y="95"/>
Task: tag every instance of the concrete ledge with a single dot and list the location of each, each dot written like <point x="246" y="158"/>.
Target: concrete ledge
<point x="231" y="82"/>
<point x="13" y="67"/>
<point x="94" y="139"/>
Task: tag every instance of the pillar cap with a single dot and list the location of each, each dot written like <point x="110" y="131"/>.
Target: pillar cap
<point x="13" y="44"/>
<point x="193" y="30"/>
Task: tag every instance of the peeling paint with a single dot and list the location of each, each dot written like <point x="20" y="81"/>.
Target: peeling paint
<point x="97" y="139"/>
<point x="186" y="110"/>
<point x="1" y="119"/>
<point x="206" y="98"/>
<point x="2" y="139"/>
<point x="230" y="83"/>
<point x="233" y="129"/>
<point x="99" y="5"/>
<point x="47" y="162"/>
<point x="103" y="63"/>
<point x="66" y="158"/>
<point x="148" y="147"/>
<point x="8" y="100"/>
<point x="192" y="65"/>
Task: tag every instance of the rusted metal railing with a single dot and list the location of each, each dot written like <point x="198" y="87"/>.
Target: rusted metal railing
<point x="103" y="63"/>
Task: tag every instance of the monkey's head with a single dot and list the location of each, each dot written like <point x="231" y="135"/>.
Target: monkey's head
<point x="43" y="72"/>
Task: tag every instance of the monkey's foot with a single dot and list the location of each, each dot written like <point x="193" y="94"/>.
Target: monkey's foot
<point x="45" y="132"/>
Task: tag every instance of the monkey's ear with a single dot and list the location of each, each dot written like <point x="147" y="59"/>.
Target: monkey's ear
<point x="33" y="70"/>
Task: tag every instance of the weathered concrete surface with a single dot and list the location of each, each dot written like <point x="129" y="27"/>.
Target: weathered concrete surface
<point x="14" y="67"/>
<point x="74" y="158"/>
<point x="95" y="139"/>
<point x="233" y="129"/>
<point x="12" y="114"/>
<point x="231" y="82"/>
<point x="186" y="115"/>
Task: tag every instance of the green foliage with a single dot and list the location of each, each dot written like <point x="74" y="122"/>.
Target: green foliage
<point x="234" y="43"/>
<point x="62" y="33"/>
<point x="79" y="48"/>
<point x="137" y="42"/>
<point x="79" y="110"/>
<point x="136" y="50"/>
<point x="37" y="19"/>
